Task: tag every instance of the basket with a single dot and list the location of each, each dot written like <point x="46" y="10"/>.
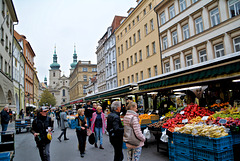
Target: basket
<point x="203" y="155"/>
<point x="216" y="145"/>
<point x="155" y="117"/>
<point x="236" y="138"/>
<point x="184" y="139"/>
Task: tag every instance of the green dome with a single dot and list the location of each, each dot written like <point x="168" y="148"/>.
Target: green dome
<point x="45" y="78"/>
<point x="55" y="65"/>
<point x="74" y="63"/>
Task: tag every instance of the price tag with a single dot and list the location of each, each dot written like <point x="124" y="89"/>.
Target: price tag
<point x="204" y="118"/>
<point x="182" y="112"/>
<point x="23" y="122"/>
<point x="165" y="105"/>
<point x="222" y="121"/>
<point x="162" y="117"/>
<point x="149" y="113"/>
<point x="185" y="121"/>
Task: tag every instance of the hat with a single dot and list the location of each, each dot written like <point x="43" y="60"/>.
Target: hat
<point x="44" y="108"/>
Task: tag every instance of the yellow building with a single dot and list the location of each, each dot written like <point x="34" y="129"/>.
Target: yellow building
<point x="79" y="79"/>
<point x="137" y="44"/>
<point x="36" y="97"/>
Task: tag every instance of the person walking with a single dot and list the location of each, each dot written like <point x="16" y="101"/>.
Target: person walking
<point x="81" y="130"/>
<point x="52" y="116"/>
<point x="41" y="127"/>
<point x="94" y="109"/>
<point x="115" y="130"/>
<point x="131" y="119"/>
<point x="98" y="126"/>
<point x="5" y="119"/>
<point x="58" y="117"/>
<point x="88" y="112"/>
<point x="21" y="114"/>
<point x="64" y="124"/>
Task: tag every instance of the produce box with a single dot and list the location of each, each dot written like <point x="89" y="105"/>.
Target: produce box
<point x="171" y="148"/>
<point x="145" y="121"/>
<point x="203" y="155"/>
<point x="183" y="157"/>
<point x="236" y="138"/>
<point x="154" y="117"/>
<point x="184" y="139"/>
<point x="5" y="156"/>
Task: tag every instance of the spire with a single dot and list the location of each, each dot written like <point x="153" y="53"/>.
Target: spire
<point x="55" y="65"/>
<point x="73" y="65"/>
<point x="45" y="80"/>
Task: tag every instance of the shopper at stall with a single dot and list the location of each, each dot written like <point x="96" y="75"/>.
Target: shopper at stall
<point x="115" y="130"/>
<point x="64" y="124"/>
<point x="41" y="126"/>
<point x="58" y="117"/>
<point x="21" y="114"/>
<point x="52" y="116"/>
<point x="94" y="109"/>
<point x="131" y="119"/>
<point x="98" y="126"/>
<point x="5" y="118"/>
<point x="88" y="112"/>
<point x="81" y="130"/>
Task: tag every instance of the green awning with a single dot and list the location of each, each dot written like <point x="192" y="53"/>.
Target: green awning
<point x="227" y="69"/>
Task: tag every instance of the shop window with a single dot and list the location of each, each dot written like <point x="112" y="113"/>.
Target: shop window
<point x="172" y="11"/>
<point x="189" y="60"/>
<point x="234" y="7"/>
<point x="167" y="67"/>
<point x="219" y="50"/>
<point x="163" y="18"/>
<point x="174" y="38"/>
<point x="177" y="64"/>
<point x="236" y="43"/>
<point x="203" y="56"/>
<point x="186" y="34"/>
<point x="182" y="5"/>
<point x="165" y="43"/>
<point x="215" y="19"/>
<point x="199" y="25"/>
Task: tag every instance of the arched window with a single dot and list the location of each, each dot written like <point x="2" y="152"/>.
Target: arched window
<point x="63" y="92"/>
<point x="53" y="74"/>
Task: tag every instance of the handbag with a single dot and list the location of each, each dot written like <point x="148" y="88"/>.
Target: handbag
<point x="66" y="125"/>
<point x="91" y="139"/>
<point x="130" y="136"/>
<point x="89" y="132"/>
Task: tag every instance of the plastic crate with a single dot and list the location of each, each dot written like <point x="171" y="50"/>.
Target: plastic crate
<point x="184" y="139"/>
<point x="181" y="149"/>
<point x="181" y="157"/>
<point x="236" y="138"/>
<point x="172" y="158"/>
<point x="171" y="147"/>
<point x="205" y="155"/>
<point x="124" y="145"/>
<point x="217" y="145"/>
<point x="5" y="156"/>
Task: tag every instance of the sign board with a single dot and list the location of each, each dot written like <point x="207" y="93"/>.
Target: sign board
<point x="182" y="112"/>
<point x="204" y="118"/>
<point x="222" y="121"/>
<point x="185" y="121"/>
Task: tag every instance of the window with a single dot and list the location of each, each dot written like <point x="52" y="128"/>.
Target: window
<point x="63" y="92"/>
<point x="53" y="74"/>
<point x="131" y="59"/>
<point x="140" y="55"/>
<point x="174" y="38"/>
<point x="6" y="42"/>
<point x="129" y="26"/>
<point x="134" y="38"/>
<point x="199" y="25"/>
<point x="84" y="89"/>
<point x="2" y="34"/>
<point x="85" y="78"/>
<point x="193" y="1"/>
<point x="150" y="6"/>
<point x="165" y="43"/>
<point x="127" y="62"/>
<point x="155" y="70"/>
<point x="122" y="65"/>
<point x="122" y="48"/>
<point x="151" y="23"/>
<point x="123" y="81"/>
<point x="177" y="64"/>
<point x="141" y="75"/>
<point x="149" y="72"/>
<point x="132" y="78"/>
<point x="144" y="12"/>
<point x="214" y="14"/>
<point x="136" y="77"/>
<point x="121" y="34"/>
<point x="118" y="50"/>
<point x="118" y="37"/>
<point x="234" y="7"/>
<point x="1" y="62"/>
<point x="125" y="30"/>
<point x="63" y="100"/>
<point x="147" y="50"/>
<point x="135" y="57"/>
<point x="53" y="82"/>
<point x="119" y="67"/>
<point x="236" y="43"/>
<point x="203" y="56"/>
<point x="186" y="34"/>
<point x="126" y="44"/>
<point x="219" y="50"/>
<point x="120" y="82"/>
<point x="154" y="47"/>
<point x="172" y="11"/>
<point x="133" y="22"/>
<point x="130" y="41"/>
<point x="167" y="67"/>
<point x="163" y="19"/>
<point x="182" y="5"/>
<point x="5" y="67"/>
<point x="146" y="29"/>
<point x="139" y="35"/>
<point x="128" y="79"/>
<point x="3" y="8"/>
<point x="189" y="60"/>
<point x="137" y="18"/>
<point x="84" y="69"/>
<point x="94" y="69"/>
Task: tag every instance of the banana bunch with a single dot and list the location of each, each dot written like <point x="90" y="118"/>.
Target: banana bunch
<point x="196" y="120"/>
<point x="49" y="136"/>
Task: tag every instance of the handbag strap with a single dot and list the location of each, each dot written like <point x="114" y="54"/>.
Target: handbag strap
<point x="132" y="128"/>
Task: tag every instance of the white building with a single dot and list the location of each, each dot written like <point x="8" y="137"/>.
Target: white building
<point x="7" y="18"/>
<point x="91" y="88"/>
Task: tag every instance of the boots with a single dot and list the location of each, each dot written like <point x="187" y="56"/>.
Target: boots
<point x="96" y="145"/>
<point x="101" y="147"/>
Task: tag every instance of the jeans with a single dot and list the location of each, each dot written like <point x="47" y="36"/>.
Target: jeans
<point x="98" y="134"/>
<point x="4" y="127"/>
<point x="88" y="121"/>
<point x="117" y="145"/>
<point x="81" y="140"/>
<point x="134" y="154"/>
<point x="64" y="131"/>
<point x="44" y="151"/>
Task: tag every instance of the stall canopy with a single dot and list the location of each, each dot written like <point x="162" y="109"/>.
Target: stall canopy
<point x="218" y="68"/>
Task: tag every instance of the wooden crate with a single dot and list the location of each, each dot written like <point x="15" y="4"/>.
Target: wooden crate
<point x="155" y="117"/>
<point x="146" y="121"/>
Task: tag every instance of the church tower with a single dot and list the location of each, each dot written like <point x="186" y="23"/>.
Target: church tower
<point x="54" y="72"/>
<point x="74" y="63"/>
<point x="45" y="80"/>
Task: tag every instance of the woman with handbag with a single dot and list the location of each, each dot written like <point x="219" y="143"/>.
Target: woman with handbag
<point x="132" y="133"/>
<point x="81" y="130"/>
<point x="64" y="124"/>
<point x="98" y="125"/>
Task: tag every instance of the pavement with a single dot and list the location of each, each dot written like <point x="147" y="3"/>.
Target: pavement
<point x="26" y="150"/>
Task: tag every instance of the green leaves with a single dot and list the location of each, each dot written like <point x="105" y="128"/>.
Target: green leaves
<point x="47" y="99"/>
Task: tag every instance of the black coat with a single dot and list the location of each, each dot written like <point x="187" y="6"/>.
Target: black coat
<point x="114" y="126"/>
<point x="5" y="117"/>
<point x="88" y="112"/>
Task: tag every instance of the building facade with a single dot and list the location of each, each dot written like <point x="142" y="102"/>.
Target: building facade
<point x="91" y="88"/>
<point x="18" y="75"/>
<point x="7" y="18"/>
<point x="80" y="77"/>
<point x="137" y="44"/>
<point x="58" y="84"/>
<point x="197" y="32"/>
<point x="36" y="97"/>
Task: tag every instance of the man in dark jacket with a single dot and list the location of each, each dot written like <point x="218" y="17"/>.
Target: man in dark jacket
<point x="115" y="129"/>
<point x="88" y="112"/>
<point x="40" y="128"/>
<point x="5" y="118"/>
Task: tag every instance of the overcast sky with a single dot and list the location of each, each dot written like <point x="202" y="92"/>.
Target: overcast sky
<point x="65" y="22"/>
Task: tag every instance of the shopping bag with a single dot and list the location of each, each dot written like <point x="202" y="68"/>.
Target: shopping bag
<point x="146" y="133"/>
<point x="91" y="139"/>
<point x="89" y="132"/>
<point x="164" y="137"/>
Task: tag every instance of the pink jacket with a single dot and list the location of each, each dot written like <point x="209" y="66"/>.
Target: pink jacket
<point x="136" y="127"/>
<point x="94" y="116"/>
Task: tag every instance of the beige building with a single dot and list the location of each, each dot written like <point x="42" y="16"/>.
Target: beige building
<point x="137" y="44"/>
<point x="36" y="85"/>
<point x="79" y="79"/>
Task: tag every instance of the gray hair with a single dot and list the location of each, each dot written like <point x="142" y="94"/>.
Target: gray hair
<point x="115" y="105"/>
<point x="6" y="106"/>
<point x="131" y="105"/>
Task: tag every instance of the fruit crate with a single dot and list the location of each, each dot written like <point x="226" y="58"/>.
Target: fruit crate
<point x="155" y="118"/>
<point x="183" y="150"/>
<point x="236" y="138"/>
<point x="205" y="155"/>
<point x="183" y="157"/>
<point x="172" y="158"/>
<point x="5" y="156"/>
<point x="171" y="147"/>
<point x="213" y="144"/>
<point x="153" y="121"/>
<point x="184" y="139"/>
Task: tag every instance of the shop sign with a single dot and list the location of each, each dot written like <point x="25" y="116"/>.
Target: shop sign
<point x="222" y="121"/>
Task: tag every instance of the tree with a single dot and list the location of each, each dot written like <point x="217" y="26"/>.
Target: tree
<point x="47" y="98"/>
